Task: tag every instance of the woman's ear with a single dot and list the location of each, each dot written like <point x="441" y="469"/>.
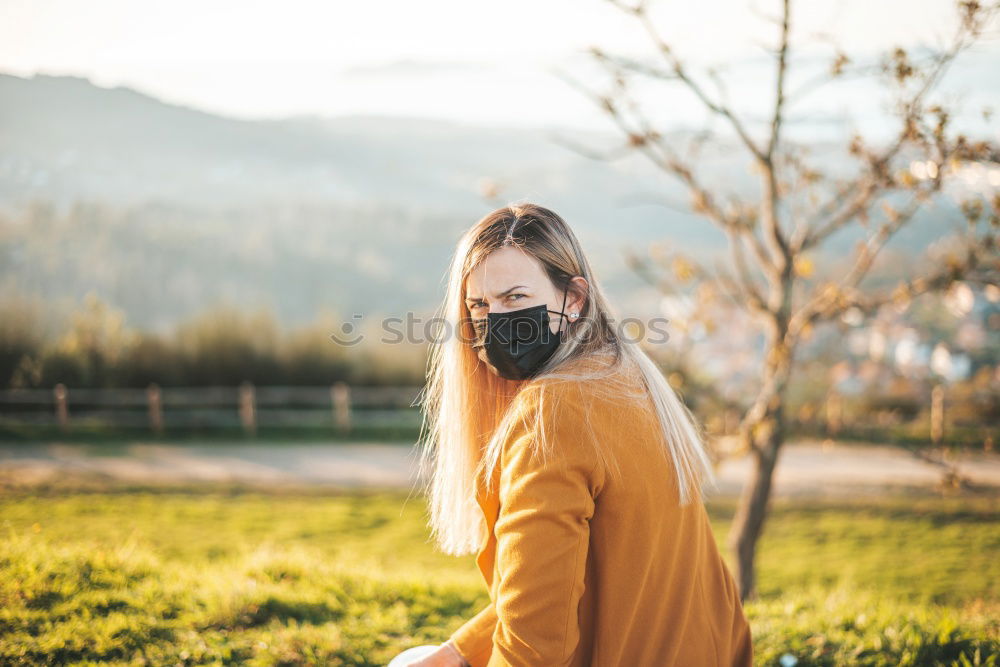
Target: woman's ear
<point x="579" y="289"/>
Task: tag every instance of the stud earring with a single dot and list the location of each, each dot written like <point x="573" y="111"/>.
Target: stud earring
<point x="574" y="315"/>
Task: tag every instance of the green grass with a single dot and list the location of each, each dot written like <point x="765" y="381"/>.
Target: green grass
<point x="217" y="576"/>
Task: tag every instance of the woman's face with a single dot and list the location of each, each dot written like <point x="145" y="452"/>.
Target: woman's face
<point x="511" y="279"/>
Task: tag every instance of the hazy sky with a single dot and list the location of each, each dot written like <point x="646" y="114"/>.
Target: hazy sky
<point x="474" y="61"/>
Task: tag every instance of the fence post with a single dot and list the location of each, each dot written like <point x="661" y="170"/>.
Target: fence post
<point x="248" y="412"/>
<point x="59" y="392"/>
<point x="341" y="395"/>
<point x="834" y="413"/>
<point x="937" y="413"/>
<point x="153" y="399"/>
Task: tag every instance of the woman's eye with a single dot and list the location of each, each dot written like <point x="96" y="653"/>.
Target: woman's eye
<point x="482" y="304"/>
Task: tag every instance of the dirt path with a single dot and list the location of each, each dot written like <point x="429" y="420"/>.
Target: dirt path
<point x="806" y="468"/>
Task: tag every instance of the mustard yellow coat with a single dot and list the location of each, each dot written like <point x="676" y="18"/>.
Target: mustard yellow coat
<point x="588" y="568"/>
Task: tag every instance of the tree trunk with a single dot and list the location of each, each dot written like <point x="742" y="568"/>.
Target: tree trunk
<point x="764" y="431"/>
<point x="748" y="523"/>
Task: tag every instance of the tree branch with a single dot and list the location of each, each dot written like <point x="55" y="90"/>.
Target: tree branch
<point x="677" y="68"/>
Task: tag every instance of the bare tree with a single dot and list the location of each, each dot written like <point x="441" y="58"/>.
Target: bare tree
<point x="800" y="206"/>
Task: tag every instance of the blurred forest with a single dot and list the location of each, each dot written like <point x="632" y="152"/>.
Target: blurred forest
<point x="97" y="348"/>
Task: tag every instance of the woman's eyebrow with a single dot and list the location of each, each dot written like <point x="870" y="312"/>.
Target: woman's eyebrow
<point x="501" y="294"/>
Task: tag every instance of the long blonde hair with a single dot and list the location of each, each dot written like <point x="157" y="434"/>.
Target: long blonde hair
<point x="466" y="415"/>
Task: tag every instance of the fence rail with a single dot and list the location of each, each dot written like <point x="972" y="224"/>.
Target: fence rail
<point x="339" y="406"/>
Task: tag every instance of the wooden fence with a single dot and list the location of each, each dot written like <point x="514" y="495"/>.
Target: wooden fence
<point x="941" y="420"/>
<point x="934" y="422"/>
<point x="340" y="407"/>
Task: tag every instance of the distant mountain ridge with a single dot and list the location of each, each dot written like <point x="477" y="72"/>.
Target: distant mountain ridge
<point x="72" y="139"/>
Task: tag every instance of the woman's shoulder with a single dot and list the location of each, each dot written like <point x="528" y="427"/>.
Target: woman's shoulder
<point x="602" y="378"/>
<point x="585" y="391"/>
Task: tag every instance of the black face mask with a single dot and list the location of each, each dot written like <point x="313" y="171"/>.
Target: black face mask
<point x="515" y="343"/>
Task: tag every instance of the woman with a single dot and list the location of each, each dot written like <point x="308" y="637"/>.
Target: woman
<point x="586" y="469"/>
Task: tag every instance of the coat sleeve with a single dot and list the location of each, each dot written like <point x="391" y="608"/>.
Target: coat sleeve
<point x="543" y="538"/>
<point x="474" y="639"/>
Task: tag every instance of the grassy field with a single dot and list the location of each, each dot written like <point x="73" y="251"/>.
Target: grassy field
<point x="229" y="576"/>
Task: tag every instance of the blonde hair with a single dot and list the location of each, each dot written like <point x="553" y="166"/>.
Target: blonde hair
<point x="466" y="407"/>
